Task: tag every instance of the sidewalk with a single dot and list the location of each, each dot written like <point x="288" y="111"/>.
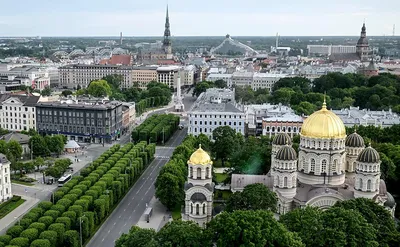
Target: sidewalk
<point x="9" y="219"/>
<point x="159" y="218"/>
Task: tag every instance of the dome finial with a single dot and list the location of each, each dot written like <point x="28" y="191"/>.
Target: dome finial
<point x="355" y="129"/>
<point x="200" y="146"/>
<point x="324" y="104"/>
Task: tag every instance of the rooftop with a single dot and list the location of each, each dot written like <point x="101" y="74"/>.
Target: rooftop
<point x="99" y="105"/>
<point x="216" y="100"/>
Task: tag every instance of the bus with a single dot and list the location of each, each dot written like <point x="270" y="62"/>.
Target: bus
<point x="64" y="179"/>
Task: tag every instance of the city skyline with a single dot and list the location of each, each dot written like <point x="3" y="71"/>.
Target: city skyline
<point x="46" y="18"/>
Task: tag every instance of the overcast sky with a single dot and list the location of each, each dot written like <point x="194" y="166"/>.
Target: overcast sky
<point x="197" y="18"/>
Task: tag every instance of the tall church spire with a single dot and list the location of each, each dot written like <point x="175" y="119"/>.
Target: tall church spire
<point x="167" y="32"/>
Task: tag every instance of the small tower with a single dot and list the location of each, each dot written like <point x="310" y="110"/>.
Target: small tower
<point x="285" y="177"/>
<point x="367" y="178"/>
<point x="199" y="188"/>
<point x="279" y="141"/>
<point x="354" y="145"/>
<point x="362" y="47"/>
<point x="179" y="106"/>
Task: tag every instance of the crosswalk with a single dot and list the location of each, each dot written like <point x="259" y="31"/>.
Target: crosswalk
<point x="161" y="157"/>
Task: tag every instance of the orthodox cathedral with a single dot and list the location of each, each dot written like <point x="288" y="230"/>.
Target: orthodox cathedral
<point x="328" y="168"/>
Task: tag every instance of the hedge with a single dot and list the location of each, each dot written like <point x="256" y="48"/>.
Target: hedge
<point x="41" y="243"/>
<point x="51" y="236"/>
<point x="156" y="129"/>
<point x="89" y="198"/>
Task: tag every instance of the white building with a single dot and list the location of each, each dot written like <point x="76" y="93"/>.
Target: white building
<point x="30" y="76"/>
<point x="225" y="77"/>
<point x="17" y="112"/>
<point x="265" y="80"/>
<point x="330" y="49"/>
<point x="168" y="75"/>
<point x="255" y="80"/>
<point x="215" y="108"/>
<point x="5" y="180"/>
<point x="355" y="116"/>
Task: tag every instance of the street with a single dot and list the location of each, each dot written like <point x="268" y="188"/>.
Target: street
<point x="132" y="206"/>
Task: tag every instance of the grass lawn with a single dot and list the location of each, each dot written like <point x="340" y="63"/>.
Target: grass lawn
<point x="176" y="213"/>
<point x="220" y="177"/>
<point x="9" y="207"/>
<point x="21" y="182"/>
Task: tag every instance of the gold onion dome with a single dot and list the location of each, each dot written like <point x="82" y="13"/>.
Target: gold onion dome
<point x="200" y="157"/>
<point x="323" y="124"/>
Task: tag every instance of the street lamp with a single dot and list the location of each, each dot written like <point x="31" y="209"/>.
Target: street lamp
<point x="80" y="227"/>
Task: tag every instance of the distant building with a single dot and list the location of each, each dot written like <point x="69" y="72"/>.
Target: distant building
<point x="232" y="47"/>
<point x="22" y="139"/>
<point x="93" y="121"/>
<point x="215" y="108"/>
<point x="361" y="53"/>
<point x="158" y="55"/>
<point x="17" y="112"/>
<point x="355" y="116"/>
<point x="71" y="76"/>
<point x="118" y="60"/>
<point x="370" y="70"/>
<point x="188" y="76"/>
<point x="330" y="49"/>
<point x="30" y="76"/>
<point x="255" y="80"/>
<point x="270" y="119"/>
<point x="5" y="181"/>
<point x="128" y="116"/>
<point x="168" y="75"/>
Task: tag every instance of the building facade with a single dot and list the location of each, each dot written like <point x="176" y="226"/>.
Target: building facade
<point x="215" y="108"/>
<point x="30" y="76"/>
<point x="330" y="49"/>
<point x="5" y="180"/>
<point x="141" y="76"/>
<point x="362" y="47"/>
<point x="93" y="122"/>
<point x="199" y="188"/>
<point x="168" y="75"/>
<point x="128" y="116"/>
<point x="18" y="112"/>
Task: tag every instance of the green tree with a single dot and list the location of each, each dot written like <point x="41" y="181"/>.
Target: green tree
<point x="225" y="142"/>
<point x="307" y="223"/>
<point x="220" y="84"/>
<point x="378" y="216"/>
<point x="137" y="237"/>
<point x="65" y="93"/>
<point x="46" y="91"/>
<point x="250" y="228"/>
<point x="38" y="146"/>
<point x="41" y="243"/>
<point x="181" y="234"/>
<point x="14" y="151"/>
<point x="171" y="192"/>
<point x="114" y="81"/>
<point x="99" y="88"/>
<point x="253" y="197"/>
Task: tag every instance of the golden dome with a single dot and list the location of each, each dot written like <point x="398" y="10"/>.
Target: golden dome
<point x="200" y="157"/>
<point x="323" y="124"/>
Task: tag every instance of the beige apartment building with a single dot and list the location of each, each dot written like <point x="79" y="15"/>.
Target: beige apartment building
<point x="70" y="76"/>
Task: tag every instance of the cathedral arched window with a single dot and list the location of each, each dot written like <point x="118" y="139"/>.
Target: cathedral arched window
<point x="334" y="166"/>
<point x="208" y="172"/>
<point x="204" y="208"/>
<point x="348" y="166"/>
<point x="370" y="168"/>
<point x="190" y="172"/>
<point x="294" y="184"/>
<point x="303" y="164"/>
<point x="323" y="166"/>
<point x="285" y="182"/>
<point x="191" y="208"/>
<point x="369" y="185"/>
<point x="312" y="168"/>
<point x="361" y="184"/>
<point x="199" y="173"/>
<point x="277" y="181"/>
<point x="197" y="209"/>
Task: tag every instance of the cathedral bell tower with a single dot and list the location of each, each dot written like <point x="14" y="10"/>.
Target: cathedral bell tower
<point x="199" y="188"/>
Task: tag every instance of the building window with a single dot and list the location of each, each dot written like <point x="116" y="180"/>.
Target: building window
<point x="312" y="168"/>
<point x="197" y="209"/>
<point x="190" y="172"/>
<point x="323" y="166"/>
<point x="361" y="184"/>
<point x="199" y="173"/>
<point x="334" y="166"/>
<point x="204" y="209"/>
<point x="285" y="182"/>
<point x="368" y="185"/>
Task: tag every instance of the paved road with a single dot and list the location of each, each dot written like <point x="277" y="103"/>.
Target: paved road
<point x="131" y="208"/>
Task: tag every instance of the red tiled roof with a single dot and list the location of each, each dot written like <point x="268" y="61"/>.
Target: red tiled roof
<point x="167" y="62"/>
<point x="118" y="59"/>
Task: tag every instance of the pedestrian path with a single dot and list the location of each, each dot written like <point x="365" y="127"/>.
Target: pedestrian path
<point x="17" y="213"/>
<point x="159" y="217"/>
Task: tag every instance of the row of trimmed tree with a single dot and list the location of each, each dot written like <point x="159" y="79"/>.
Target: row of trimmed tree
<point x="156" y="129"/>
<point x="85" y="200"/>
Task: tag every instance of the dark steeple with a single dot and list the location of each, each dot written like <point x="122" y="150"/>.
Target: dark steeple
<point x="167" y="32"/>
<point x="363" y="31"/>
